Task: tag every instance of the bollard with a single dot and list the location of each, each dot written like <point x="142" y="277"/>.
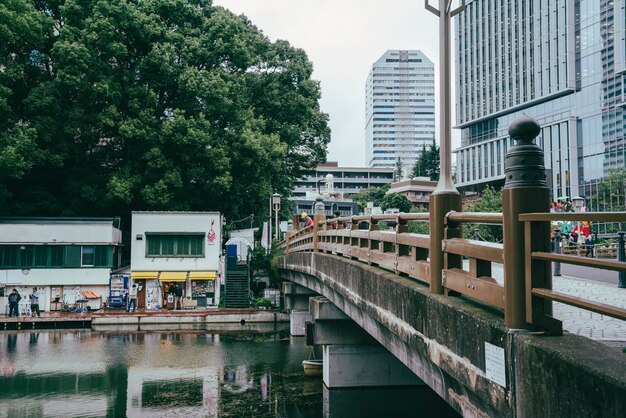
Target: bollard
<point x="621" y="256"/>
<point x="557" y="250"/>
<point x="525" y="191"/>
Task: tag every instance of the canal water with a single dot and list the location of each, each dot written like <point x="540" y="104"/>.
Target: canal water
<point x="238" y="372"/>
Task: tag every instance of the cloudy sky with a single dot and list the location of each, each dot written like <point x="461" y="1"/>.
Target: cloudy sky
<point x="343" y="38"/>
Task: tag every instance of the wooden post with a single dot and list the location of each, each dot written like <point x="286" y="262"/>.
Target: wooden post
<point x="525" y="191"/>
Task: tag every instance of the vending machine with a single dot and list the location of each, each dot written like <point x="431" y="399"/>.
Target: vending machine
<point x="118" y="288"/>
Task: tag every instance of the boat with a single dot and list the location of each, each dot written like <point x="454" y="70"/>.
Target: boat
<point x="312" y="367"/>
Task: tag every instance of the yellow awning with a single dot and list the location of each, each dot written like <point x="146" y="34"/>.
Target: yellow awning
<point x="144" y="274"/>
<point x="202" y="275"/>
<point x="173" y="276"/>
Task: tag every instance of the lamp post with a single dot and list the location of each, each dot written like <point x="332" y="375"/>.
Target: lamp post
<point x="446" y="197"/>
<point x="579" y="204"/>
<point x="276" y="208"/>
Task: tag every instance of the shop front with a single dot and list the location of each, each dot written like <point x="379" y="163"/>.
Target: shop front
<point x="148" y="286"/>
<point x="168" y="279"/>
<point x="203" y="287"/>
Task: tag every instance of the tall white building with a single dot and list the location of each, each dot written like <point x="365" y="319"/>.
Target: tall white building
<point x="399" y="109"/>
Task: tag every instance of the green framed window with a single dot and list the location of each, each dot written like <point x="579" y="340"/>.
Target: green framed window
<point x="55" y="256"/>
<point x="174" y="245"/>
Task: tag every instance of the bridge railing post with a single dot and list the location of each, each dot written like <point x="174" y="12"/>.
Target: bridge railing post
<point x="525" y="191"/>
<point x="316" y="228"/>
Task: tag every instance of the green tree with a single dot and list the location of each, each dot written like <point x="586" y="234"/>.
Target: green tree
<point x="396" y="201"/>
<point x="489" y="201"/>
<point x="111" y="106"/>
<point x="428" y="164"/>
<point x="371" y="194"/>
<point x="611" y="192"/>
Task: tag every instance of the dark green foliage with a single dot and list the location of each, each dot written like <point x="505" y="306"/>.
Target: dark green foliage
<point x="611" y="192"/>
<point x="371" y="194"/>
<point x="396" y="201"/>
<point x="490" y="201"/>
<point x="427" y="165"/>
<point x="110" y="106"/>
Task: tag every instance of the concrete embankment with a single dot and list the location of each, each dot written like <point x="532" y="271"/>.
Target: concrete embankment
<point x="145" y="320"/>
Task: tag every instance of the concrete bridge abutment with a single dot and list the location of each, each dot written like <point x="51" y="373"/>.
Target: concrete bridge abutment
<point x="297" y="303"/>
<point x="352" y="358"/>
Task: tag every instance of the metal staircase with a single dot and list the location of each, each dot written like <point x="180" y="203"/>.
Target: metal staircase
<point x="237" y="284"/>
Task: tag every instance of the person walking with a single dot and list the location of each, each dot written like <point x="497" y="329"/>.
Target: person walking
<point x="34" y="303"/>
<point x="132" y="297"/>
<point x="14" y="300"/>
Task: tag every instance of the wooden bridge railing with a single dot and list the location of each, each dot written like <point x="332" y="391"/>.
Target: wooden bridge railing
<point x="526" y="294"/>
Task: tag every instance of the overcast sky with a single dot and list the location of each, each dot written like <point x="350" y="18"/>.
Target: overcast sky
<point x="343" y="38"/>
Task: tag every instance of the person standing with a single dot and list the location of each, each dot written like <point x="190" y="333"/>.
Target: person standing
<point x="34" y="303"/>
<point x="178" y="296"/>
<point x="132" y="297"/>
<point x="14" y="300"/>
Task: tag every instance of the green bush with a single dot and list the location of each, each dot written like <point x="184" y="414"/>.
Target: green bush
<point x="263" y="302"/>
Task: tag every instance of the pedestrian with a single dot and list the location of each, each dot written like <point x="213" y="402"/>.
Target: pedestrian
<point x="34" y="303"/>
<point x="589" y="245"/>
<point x="178" y="296"/>
<point x="336" y="215"/>
<point x="132" y="297"/>
<point x="306" y="219"/>
<point x="14" y="300"/>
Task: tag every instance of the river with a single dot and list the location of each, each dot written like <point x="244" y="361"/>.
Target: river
<point x="251" y="371"/>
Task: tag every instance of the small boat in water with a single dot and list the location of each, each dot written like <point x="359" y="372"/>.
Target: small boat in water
<point x="312" y="367"/>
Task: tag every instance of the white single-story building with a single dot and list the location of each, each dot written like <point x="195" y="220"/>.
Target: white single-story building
<point x="176" y="247"/>
<point x="68" y="260"/>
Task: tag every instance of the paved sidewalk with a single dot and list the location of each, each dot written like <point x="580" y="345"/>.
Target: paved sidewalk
<point x="578" y="321"/>
<point x="590" y="324"/>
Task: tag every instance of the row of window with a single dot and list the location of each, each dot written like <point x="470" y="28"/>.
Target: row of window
<point x="61" y="256"/>
<point x="189" y="245"/>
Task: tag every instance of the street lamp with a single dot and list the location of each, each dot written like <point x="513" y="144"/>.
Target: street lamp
<point x="579" y="204"/>
<point x="276" y="208"/>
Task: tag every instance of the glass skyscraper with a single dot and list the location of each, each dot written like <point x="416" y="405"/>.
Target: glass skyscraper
<point x="399" y="109"/>
<point x="561" y="62"/>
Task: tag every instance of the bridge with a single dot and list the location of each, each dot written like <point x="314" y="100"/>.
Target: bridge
<point x="395" y="307"/>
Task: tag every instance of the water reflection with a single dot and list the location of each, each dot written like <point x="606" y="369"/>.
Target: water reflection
<point x="230" y="373"/>
<point x="236" y="372"/>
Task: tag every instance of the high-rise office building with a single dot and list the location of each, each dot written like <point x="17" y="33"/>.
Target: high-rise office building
<point x="399" y="109"/>
<point x="559" y="62"/>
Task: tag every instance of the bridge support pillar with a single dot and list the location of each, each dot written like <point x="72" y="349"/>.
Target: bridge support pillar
<point x="297" y="302"/>
<point x="352" y="358"/>
<point x="364" y="366"/>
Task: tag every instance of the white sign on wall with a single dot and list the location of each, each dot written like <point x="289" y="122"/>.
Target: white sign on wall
<point x="495" y="365"/>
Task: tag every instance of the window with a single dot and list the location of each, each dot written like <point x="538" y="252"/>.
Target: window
<point x="88" y="256"/>
<point x="175" y="245"/>
<point x="55" y="256"/>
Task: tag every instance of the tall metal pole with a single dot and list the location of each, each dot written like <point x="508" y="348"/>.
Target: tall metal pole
<point x="446" y="197"/>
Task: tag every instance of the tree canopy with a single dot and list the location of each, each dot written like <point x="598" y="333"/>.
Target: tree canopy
<point x="427" y="165"/>
<point x="108" y="106"/>
<point x="371" y="194"/>
<point x="490" y="201"/>
<point x="611" y="192"/>
<point x="396" y="201"/>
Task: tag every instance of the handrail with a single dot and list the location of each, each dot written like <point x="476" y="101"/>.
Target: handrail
<point x="574" y="216"/>
<point x="407" y="254"/>
<point x="475" y="217"/>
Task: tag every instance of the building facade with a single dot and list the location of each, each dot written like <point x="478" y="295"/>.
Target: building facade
<point x="68" y="260"/>
<point x="176" y="247"/>
<point x="417" y="190"/>
<point x="399" y="109"/>
<point x="559" y="62"/>
<point x="346" y="181"/>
